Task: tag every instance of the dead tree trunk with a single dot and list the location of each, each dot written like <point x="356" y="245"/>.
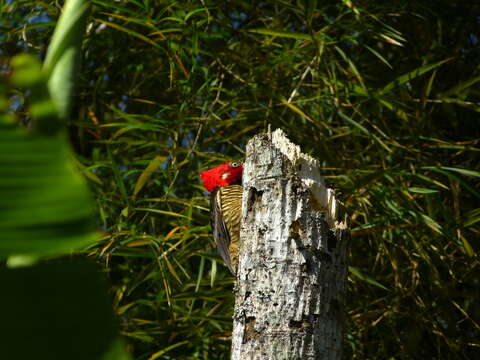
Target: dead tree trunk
<point x="291" y="282"/>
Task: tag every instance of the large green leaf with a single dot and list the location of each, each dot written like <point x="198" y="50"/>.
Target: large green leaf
<point x="64" y="53"/>
<point x="45" y="206"/>
<point x="55" y="311"/>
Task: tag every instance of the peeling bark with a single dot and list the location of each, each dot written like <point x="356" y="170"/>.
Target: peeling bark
<point x="291" y="280"/>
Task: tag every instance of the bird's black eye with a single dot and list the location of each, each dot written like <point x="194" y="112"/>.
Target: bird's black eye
<point x="235" y="164"/>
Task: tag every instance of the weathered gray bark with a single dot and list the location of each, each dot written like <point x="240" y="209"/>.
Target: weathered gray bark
<point x="291" y="282"/>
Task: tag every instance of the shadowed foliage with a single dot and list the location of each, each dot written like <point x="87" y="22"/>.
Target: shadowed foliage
<point x="385" y="96"/>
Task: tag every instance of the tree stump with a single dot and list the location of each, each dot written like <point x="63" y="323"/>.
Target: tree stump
<point x="291" y="279"/>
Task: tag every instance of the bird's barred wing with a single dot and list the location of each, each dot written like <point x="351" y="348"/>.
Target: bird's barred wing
<point x="219" y="228"/>
<point x="225" y="214"/>
<point x="232" y="213"/>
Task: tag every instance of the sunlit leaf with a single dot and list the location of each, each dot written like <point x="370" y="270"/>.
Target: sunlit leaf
<point x="147" y="173"/>
<point x="412" y="75"/>
<point x="63" y="54"/>
<point x="158" y="354"/>
<point x="422" y="190"/>
<point x="281" y="33"/>
<point x="462" y="171"/>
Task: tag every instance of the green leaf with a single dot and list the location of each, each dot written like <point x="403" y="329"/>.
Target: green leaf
<point x="467" y="247"/>
<point x="356" y="272"/>
<point x="354" y="123"/>
<point x="422" y="190"/>
<point x="63" y="54"/>
<point x="462" y="171"/>
<point x="128" y="31"/>
<point x="442" y="170"/>
<point x="459" y="88"/>
<point x="432" y="224"/>
<point x="162" y="212"/>
<point x="117" y="352"/>
<point x="412" y="75"/>
<point x="27" y="73"/>
<point x="58" y="310"/>
<point x="352" y="66"/>
<point x="377" y="54"/>
<point x="167" y="349"/>
<point x="46" y="206"/>
<point x="281" y="33"/>
<point x="147" y="173"/>
<point x="472" y="217"/>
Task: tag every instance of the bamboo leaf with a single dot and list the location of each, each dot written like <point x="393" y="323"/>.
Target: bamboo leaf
<point x="472" y="217"/>
<point x="162" y="212"/>
<point x="432" y="224"/>
<point x="467" y="247"/>
<point x="281" y="33"/>
<point x="377" y="54"/>
<point x="296" y="109"/>
<point x="368" y="279"/>
<point x="354" y="123"/>
<point x="462" y="171"/>
<point x="412" y="75"/>
<point x="458" y="89"/>
<point x="147" y="173"/>
<point x="450" y="175"/>
<point x="167" y="349"/>
<point x="422" y="190"/>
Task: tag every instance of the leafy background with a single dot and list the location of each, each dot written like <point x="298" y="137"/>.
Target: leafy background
<point x="386" y="96"/>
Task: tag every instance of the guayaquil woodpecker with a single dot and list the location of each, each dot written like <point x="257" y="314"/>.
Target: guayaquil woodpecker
<point x="225" y="185"/>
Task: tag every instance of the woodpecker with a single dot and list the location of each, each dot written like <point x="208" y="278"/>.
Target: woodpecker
<point x="224" y="184"/>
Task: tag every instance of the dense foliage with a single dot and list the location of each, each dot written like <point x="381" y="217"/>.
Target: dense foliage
<point x="386" y="96"/>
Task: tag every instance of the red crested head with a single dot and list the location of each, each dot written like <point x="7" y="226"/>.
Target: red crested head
<point x="229" y="173"/>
